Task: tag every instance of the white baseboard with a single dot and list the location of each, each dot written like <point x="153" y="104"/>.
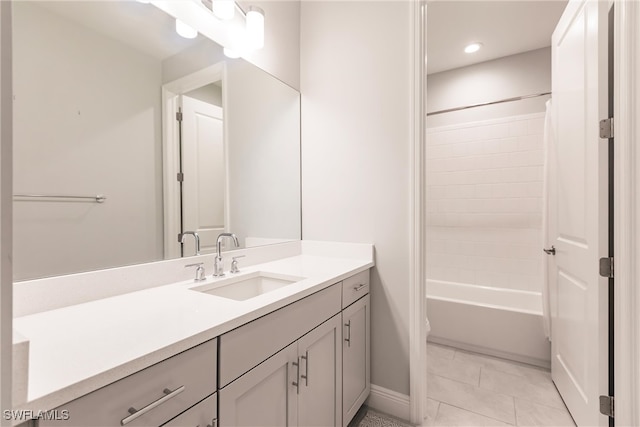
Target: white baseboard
<point x="389" y="402"/>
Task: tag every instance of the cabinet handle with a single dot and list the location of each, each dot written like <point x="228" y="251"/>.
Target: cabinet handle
<point x="359" y="287"/>
<point x="348" y="339"/>
<point x="297" y="381"/>
<point x="305" y="377"/>
<point x="214" y="423"/>
<point x="135" y="413"/>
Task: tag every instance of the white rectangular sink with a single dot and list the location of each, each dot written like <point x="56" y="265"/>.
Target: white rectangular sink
<point x="248" y="285"/>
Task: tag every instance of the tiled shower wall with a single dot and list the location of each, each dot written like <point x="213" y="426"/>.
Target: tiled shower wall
<point x="484" y="202"/>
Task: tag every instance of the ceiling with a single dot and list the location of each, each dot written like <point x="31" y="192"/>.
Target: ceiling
<point x="504" y="27"/>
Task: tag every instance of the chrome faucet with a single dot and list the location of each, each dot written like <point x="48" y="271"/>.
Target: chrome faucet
<point x="181" y="237"/>
<point x="218" y="265"/>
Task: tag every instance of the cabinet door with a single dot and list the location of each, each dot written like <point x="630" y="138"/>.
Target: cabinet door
<point x="320" y="397"/>
<point x="355" y="357"/>
<point x="264" y="396"/>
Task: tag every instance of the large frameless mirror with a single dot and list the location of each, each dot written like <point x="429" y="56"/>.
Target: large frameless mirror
<point x="127" y="135"/>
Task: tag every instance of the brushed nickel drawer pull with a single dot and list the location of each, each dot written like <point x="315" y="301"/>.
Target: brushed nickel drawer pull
<point x="296" y="383"/>
<point x="359" y="287"/>
<point x="348" y="340"/>
<point x="135" y="413"/>
<point x="305" y="377"/>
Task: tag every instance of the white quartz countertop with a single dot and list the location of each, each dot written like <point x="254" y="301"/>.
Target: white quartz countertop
<point x="77" y="349"/>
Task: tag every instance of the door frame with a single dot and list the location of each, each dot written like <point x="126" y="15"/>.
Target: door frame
<point x="626" y="217"/>
<point x="418" y="213"/>
<point x="171" y="149"/>
<point x="627" y="212"/>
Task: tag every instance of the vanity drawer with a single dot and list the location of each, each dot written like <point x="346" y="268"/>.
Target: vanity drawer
<point x="204" y="414"/>
<point x="159" y="392"/>
<point x="250" y="344"/>
<point x="355" y="287"/>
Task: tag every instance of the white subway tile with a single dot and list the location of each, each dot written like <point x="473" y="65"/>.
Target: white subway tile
<point x="535" y="126"/>
<point x="518" y="128"/>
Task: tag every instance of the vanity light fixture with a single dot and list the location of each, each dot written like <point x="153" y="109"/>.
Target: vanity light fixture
<point x="223" y="9"/>
<point x="248" y="37"/>
<point x="473" y="47"/>
<point x="240" y="45"/>
<point x="185" y="30"/>
<point x="255" y="27"/>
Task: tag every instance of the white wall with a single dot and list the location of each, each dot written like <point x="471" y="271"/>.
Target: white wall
<point x="79" y="130"/>
<point x="516" y="75"/>
<point x="484" y="173"/>
<point x="355" y="80"/>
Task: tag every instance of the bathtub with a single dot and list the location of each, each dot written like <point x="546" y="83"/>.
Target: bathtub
<point x="494" y="321"/>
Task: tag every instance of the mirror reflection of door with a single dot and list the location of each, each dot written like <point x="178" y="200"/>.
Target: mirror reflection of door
<point x="203" y="167"/>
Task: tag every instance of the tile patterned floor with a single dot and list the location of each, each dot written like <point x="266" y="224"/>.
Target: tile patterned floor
<point x="468" y="389"/>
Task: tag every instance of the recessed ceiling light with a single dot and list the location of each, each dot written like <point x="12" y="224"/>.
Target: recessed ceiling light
<point x="473" y="47"/>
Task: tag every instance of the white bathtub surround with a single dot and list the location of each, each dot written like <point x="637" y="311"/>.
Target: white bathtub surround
<point x="499" y="322"/>
<point x="492" y="392"/>
<point x="484" y="201"/>
<point x="81" y="346"/>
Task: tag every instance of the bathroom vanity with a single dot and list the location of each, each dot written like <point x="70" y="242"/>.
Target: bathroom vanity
<point x="287" y="344"/>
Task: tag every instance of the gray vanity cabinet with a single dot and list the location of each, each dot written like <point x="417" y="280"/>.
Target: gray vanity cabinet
<point x="304" y="364"/>
<point x="299" y="385"/>
<point x="356" y="383"/>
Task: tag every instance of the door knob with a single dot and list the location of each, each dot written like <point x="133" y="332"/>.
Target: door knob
<point x="551" y="251"/>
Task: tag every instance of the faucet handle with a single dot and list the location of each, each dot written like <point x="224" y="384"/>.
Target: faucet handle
<point x="234" y="264"/>
<point x="200" y="275"/>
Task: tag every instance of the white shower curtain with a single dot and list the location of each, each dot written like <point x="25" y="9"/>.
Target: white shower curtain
<point x="549" y="159"/>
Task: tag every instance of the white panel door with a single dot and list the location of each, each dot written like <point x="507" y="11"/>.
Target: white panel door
<point x="578" y="344"/>
<point x="203" y="165"/>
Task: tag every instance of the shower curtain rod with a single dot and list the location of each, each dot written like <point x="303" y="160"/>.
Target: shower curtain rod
<point x="517" y="98"/>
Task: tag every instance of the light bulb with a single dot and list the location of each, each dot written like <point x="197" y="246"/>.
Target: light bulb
<point x="473" y="47"/>
<point x="223" y="9"/>
<point x="237" y="45"/>
<point x="255" y="27"/>
<point x="185" y="30"/>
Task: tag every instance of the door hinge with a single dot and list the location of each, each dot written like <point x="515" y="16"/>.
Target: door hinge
<point x="607" y="406"/>
<point x="180" y="177"/>
<point x="606" y="128"/>
<point x="606" y="267"/>
<point x="179" y="116"/>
